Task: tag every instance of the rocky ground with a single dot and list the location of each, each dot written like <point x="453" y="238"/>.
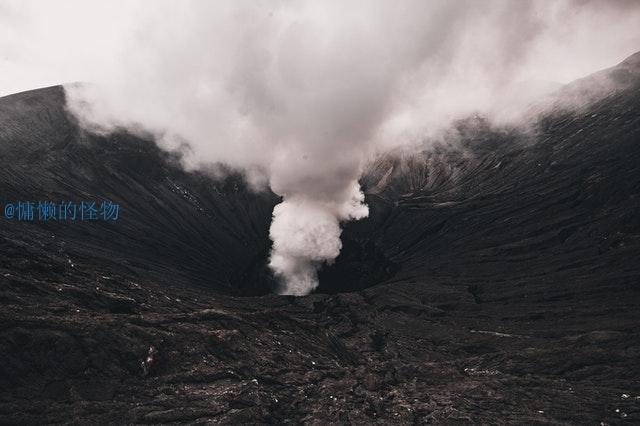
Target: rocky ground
<point x="496" y="282"/>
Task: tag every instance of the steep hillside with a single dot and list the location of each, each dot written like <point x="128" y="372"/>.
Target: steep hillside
<point x="171" y="222"/>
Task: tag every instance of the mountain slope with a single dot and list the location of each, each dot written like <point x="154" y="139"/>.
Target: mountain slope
<point x="170" y="221"/>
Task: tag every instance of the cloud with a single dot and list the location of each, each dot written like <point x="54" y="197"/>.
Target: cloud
<point x="299" y="93"/>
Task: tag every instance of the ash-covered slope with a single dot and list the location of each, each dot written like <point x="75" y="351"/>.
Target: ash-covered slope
<point x="171" y="222"/>
<point x="493" y="283"/>
<point x="503" y="204"/>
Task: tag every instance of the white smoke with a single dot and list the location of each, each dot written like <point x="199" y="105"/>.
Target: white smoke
<point x="306" y="233"/>
<point x="299" y="93"/>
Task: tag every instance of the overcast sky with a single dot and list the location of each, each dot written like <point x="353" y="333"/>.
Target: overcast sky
<point x="47" y="42"/>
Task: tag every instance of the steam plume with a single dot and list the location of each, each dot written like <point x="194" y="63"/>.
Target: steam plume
<point x="299" y="93"/>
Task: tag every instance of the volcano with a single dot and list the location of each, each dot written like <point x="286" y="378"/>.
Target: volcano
<point x="495" y="280"/>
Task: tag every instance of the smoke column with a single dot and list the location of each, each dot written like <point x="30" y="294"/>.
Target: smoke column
<point x="298" y="94"/>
